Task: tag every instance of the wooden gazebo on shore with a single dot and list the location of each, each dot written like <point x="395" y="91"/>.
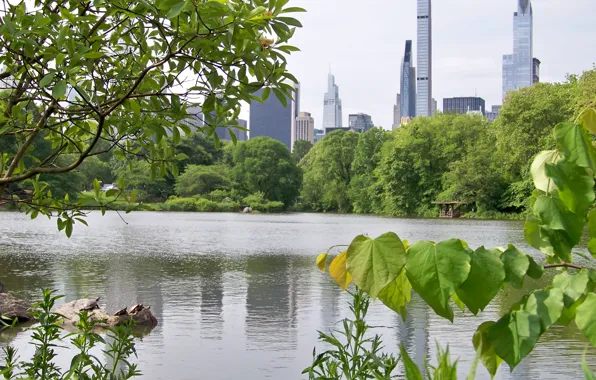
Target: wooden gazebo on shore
<point x="450" y="209"/>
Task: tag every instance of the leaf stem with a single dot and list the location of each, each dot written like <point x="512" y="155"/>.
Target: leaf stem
<point x="563" y="265"/>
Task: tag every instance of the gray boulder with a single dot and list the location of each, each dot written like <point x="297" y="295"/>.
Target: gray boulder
<point x="12" y="308"/>
<point x="71" y="311"/>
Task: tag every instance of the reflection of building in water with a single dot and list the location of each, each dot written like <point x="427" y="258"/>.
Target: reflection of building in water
<point x="413" y="332"/>
<point x="211" y="273"/>
<point x="271" y="304"/>
<point x="331" y="297"/>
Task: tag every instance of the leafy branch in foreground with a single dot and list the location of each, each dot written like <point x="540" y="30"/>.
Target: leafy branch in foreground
<point x="46" y="338"/>
<point x="451" y="272"/>
<point x="81" y="79"/>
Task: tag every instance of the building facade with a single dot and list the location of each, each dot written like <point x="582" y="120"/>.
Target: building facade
<point x="332" y="115"/>
<point x="360" y="122"/>
<point x="518" y="68"/>
<point x="434" y="106"/>
<point x="424" y="61"/>
<point x="397" y="112"/>
<point x="271" y="119"/>
<point x="493" y="113"/>
<point x="319" y="135"/>
<point x="305" y="127"/>
<point x="535" y="70"/>
<point x="464" y="105"/>
<point x="408" y="84"/>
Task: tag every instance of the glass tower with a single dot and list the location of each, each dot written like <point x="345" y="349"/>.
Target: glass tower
<point x="424" y="64"/>
<point x="518" y="68"/>
<point x="408" y="84"/>
<point x="332" y="105"/>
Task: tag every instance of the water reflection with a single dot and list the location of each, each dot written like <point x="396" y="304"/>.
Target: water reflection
<point x="238" y="296"/>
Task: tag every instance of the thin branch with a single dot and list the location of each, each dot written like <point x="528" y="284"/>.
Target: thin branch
<point x="563" y="265"/>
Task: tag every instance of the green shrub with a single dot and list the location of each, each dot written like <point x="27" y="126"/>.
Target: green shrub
<point x="271" y="207"/>
<point x="205" y="205"/>
<point x="254" y="200"/>
<point x="180" y="204"/>
<point x="228" y="206"/>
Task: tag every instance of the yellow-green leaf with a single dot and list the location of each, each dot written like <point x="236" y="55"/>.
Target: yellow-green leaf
<point x="374" y="263"/>
<point x="588" y="118"/>
<point x="585" y="318"/>
<point x="488" y="357"/>
<point x="538" y="170"/>
<point x="338" y="270"/>
<point x="397" y="294"/>
<point x="321" y="260"/>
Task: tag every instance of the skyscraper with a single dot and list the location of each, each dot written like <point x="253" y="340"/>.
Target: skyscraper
<point x="305" y="127"/>
<point x="518" y="68"/>
<point x="397" y="112"/>
<point x="408" y="84"/>
<point x="464" y="105"/>
<point x="270" y="118"/>
<point x="536" y="70"/>
<point x="424" y="81"/>
<point x="332" y="105"/>
<point x="360" y="122"/>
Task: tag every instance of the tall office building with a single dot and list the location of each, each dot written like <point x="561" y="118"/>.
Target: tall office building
<point x="433" y="106"/>
<point x="360" y="122"/>
<point x="464" y="105"/>
<point x="424" y="82"/>
<point x="332" y="105"/>
<point x="407" y="84"/>
<point x="319" y="135"/>
<point x="535" y="70"/>
<point x="518" y="68"/>
<point x="270" y="118"/>
<point x="397" y="112"/>
<point x="305" y="127"/>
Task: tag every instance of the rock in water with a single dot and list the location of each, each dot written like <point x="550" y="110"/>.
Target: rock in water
<point x="12" y="308"/>
<point x="72" y="309"/>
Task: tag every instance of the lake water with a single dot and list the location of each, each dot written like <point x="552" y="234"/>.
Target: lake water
<point x="238" y="296"/>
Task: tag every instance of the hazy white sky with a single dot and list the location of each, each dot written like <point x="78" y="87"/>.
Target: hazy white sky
<point x="364" y="42"/>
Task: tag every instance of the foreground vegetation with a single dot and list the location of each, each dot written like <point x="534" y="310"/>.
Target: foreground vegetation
<point x="451" y="273"/>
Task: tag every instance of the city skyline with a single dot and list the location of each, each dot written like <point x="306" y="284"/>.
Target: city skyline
<point x="464" y="63"/>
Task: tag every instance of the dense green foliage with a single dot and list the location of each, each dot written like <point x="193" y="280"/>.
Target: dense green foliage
<point x="443" y="158"/>
<point x="82" y="79"/>
<point x="450" y="272"/>
<point x="48" y="337"/>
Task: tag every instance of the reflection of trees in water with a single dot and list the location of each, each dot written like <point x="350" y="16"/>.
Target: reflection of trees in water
<point x="23" y="274"/>
<point x="271" y="303"/>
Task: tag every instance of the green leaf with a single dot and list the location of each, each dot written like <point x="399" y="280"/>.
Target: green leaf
<point x="59" y="90"/>
<point x="281" y="97"/>
<point x="68" y="229"/>
<point x="397" y="294"/>
<point x="339" y="271"/>
<point x="547" y="305"/>
<point x="592" y="232"/>
<point x="576" y="145"/>
<point x="574" y="288"/>
<point x="486" y="277"/>
<point x="373" y="264"/>
<point x="514" y="336"/>
<point x="290" y="21"/>
<point x="588" y="119"/>
<point x="563" y="228"/>
<point x="96" y="187"/>
<point x="535" y="271"/>
<point x="488" y="356"/>
<point x="293" y="9"/>
<point x="538" y="170"/>
<point x="411" y="369"/>
<point x="585" y="318"/>
<point x="575" y="185"/>
<point x="93" y="54"/>
<point x="516" y="264"/>
<point x="458" y="302"/>
<point x="47" y="80"/>
<point x="586" y="368"/>
<point x="436" y="271"/>
<point x="176" y="9"/>
<point x="265" y="94"/>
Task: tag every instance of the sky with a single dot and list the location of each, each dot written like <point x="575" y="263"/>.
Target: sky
<point x="364" y="42"/>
